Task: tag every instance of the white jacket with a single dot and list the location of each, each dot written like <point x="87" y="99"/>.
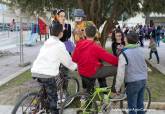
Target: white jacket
<point x="51" y="55"/>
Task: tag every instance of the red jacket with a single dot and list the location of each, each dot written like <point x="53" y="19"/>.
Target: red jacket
<point x="88" y="54"/>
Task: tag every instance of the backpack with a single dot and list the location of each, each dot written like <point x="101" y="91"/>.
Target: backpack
<point x="125" y="56"/>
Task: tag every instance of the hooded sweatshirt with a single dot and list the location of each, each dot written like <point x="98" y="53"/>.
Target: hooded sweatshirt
<point x="88" y="54"/>
<point x="52" y="54"/>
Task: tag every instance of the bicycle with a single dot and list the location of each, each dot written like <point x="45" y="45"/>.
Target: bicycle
<point x="99" y="102"/>
<point x="37" y="102"/>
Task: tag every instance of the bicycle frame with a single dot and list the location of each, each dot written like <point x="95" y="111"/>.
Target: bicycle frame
<point x="98" y="91"/>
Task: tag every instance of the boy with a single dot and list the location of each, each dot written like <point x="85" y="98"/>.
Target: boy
<point x="133" y="69"/>
<point x="46" y="66"/>
<point x="87" y="55"/>
<point x="153" y="48"/>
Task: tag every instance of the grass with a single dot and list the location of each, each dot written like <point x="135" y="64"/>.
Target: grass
<point x="156" y="83"/>
<point x="19" y="80"/>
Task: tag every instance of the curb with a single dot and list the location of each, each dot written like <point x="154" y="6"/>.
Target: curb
<point x="158" y="67"/>
<point x="2" y="82"/>
<point x="157" y="105"/>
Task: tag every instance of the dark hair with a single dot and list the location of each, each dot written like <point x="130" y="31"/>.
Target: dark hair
<point x="122" y="34"/>
<point x="54" y="12"/>
<point x="132" y="37"/>
<point x="56" y="28"/>
<point x="90" y="31"/>
<point x="59" y="11"/>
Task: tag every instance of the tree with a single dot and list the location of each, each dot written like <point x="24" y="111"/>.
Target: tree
<point x="153" y="6"/>
<point x="97" y="11"/>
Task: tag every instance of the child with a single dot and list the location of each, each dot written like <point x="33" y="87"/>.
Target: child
<point x="117" y="41"/>
<point x="46" y="67"/>
<point x="87" y="55"/>
<point x="153" y="48"/>
<point x="132" y="69"/>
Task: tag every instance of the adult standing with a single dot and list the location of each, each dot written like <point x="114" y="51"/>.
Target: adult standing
<point x="141" y="35"/>
<point x="158" y="34"/>
<point x="12" y="25"/>
<point x="59" y="17"/>
<point x="80" y="25"/>
<point x="153" y="33"/>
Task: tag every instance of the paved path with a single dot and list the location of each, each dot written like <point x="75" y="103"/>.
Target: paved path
<point x="9" y="64"/>
<point x="8" y="109"/>
<point x="9" y="41"/>
<point x="153" y="62"/>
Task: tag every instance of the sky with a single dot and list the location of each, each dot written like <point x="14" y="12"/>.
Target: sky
<point x="2" y="7"/>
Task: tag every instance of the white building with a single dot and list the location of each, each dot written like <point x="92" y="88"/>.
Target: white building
<point x="158" y="19"/>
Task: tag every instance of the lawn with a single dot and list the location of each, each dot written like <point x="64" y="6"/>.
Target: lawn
<point x="156" y="83"/>
<point x="19" y="80"/>
<point x="15" y="88"/>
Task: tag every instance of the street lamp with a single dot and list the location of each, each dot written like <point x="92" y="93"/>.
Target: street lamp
<point x="22" y="63"/>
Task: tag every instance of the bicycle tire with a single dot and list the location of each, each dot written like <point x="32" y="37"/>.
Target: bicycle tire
<point x="77" y="85"/>
<point x="16" y="107"/>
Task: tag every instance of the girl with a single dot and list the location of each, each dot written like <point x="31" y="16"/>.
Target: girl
<point x="60" y="18"/>
<point x="117" y="41"/>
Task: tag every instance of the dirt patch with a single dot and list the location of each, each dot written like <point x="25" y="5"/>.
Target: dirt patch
<point x="11" y="95"/>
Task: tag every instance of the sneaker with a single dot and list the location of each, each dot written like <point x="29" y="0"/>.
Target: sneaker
<point x="61" y="100"/>
<point x="118" y="97"/>
<point x="83" y="100"/>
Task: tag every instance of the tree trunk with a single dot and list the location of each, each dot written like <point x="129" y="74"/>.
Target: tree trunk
<point x="147" y="20"/>
<point x="94" y="13"/>
<point x="106" y="30"/>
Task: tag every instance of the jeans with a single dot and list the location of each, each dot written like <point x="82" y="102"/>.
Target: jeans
<point x="156" y="54"/>
<point x="50" y="86"/>
<point x="135" y="96"/>
<point x="101" y="74"/>
<point x="158" y="40"/>
<point x="141" y="41"/>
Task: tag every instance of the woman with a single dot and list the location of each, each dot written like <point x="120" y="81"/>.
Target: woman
<point x="118" y="42"/>
<point x="60" y="17"/>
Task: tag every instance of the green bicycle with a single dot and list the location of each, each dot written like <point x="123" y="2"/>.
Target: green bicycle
<point x="99" y="101"/>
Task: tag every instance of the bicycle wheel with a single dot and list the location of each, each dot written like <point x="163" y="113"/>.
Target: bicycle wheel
<point x="147" y="102"/>
<point x="70" y="87"/>
<point x="81" y="104"/>
<point x="28" y="104"/>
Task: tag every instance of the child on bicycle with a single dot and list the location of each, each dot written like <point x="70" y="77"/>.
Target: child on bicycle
<point x="132" y="69"/>
<point x="46" y="67"/>
<point x="87" y="55"/>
